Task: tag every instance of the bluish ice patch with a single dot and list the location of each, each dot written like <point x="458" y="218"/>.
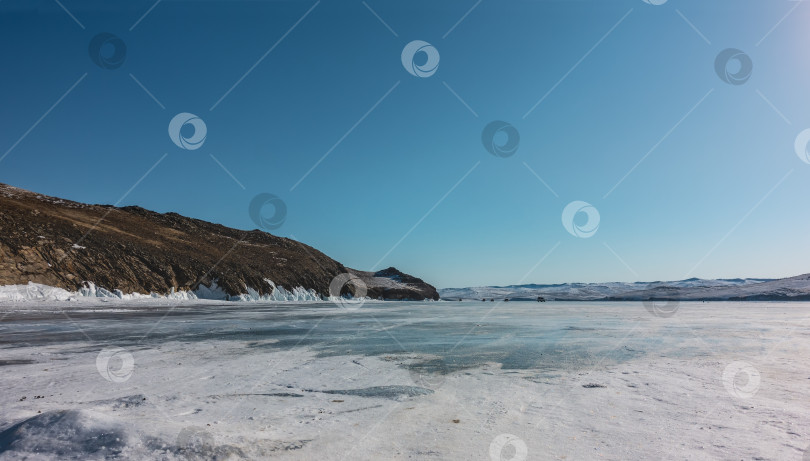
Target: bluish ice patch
<point x="445" y="336"/>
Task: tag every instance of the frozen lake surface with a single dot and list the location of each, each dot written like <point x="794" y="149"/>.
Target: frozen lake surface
<point x="438" y="380"/>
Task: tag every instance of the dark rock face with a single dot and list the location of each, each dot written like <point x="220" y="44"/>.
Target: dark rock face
<point x="392" y="284"/>
<point x="63" y="243"/>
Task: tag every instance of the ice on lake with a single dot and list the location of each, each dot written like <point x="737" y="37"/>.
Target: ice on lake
<point x="437" y="380"/>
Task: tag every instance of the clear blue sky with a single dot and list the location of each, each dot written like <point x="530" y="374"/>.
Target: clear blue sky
<point x="722" y="195"/>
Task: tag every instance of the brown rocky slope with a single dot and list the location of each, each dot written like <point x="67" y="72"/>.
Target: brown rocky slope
<point x="64" y="244"/>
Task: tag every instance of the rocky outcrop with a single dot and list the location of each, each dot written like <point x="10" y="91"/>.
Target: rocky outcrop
<point x="393" y="284"/>
<point x="64" y="244"/>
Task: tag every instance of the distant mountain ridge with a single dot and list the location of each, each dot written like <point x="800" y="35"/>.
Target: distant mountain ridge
<point x="65" y="244"/>
<point x="750" y="289"/>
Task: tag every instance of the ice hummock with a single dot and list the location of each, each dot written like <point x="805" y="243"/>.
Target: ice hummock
<point x="39" y="292"/>
<point x="65" y="433"/>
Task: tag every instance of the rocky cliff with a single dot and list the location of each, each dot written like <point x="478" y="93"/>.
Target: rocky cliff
<point x="65" y="244"/>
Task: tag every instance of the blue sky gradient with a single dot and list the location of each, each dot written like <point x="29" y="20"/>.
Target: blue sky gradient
<point x="719" y="190"/>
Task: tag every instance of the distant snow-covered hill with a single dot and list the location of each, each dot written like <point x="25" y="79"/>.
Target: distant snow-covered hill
<point x="793" y="288"/>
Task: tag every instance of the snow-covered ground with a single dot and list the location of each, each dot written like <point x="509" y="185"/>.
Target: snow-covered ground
<point x="431" y="381"/>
